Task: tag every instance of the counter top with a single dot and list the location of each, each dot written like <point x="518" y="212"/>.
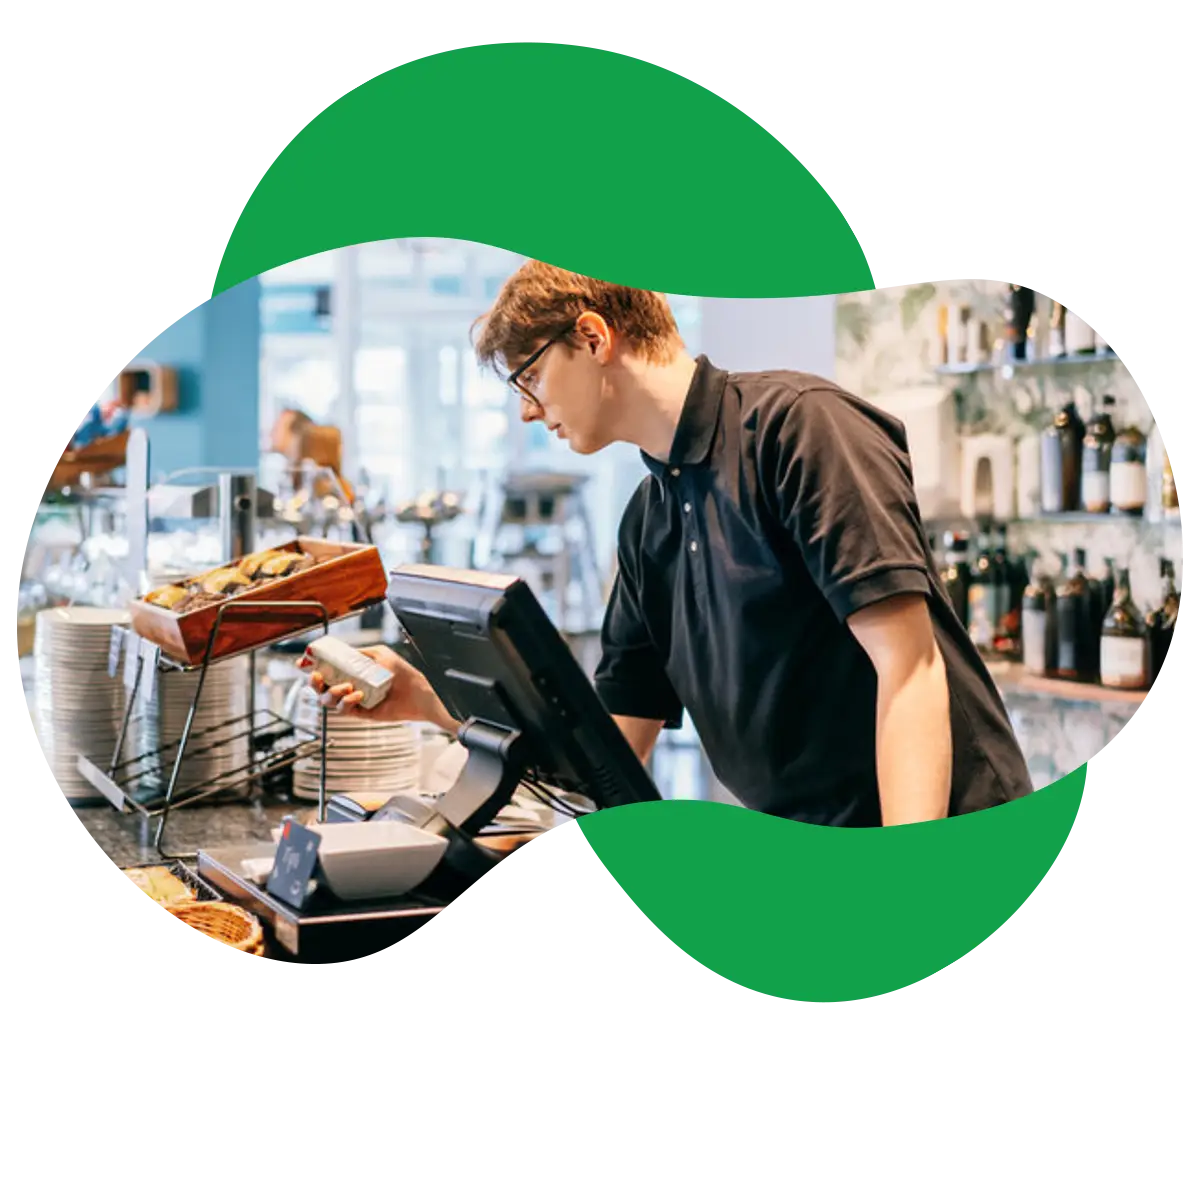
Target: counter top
<point x="128" y="838"/>
<point x="1013" y="677"/>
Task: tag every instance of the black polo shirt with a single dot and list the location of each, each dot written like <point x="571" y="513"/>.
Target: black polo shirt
<point x="785" y="506"/>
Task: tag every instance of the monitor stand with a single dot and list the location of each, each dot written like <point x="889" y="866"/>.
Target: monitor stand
<point x="494" y="768"/>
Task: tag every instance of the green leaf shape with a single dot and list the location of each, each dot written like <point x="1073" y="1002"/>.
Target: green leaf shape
<point x="811" y="913"/>
<point x="913" y="303"/>
<point x="672" y="188"/>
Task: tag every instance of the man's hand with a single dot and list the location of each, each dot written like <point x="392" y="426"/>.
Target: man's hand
<point x="913" y="747"/>
<point x="411" y="698"/>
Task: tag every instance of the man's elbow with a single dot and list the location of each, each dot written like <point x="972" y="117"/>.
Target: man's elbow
<point x="898" y="637"/>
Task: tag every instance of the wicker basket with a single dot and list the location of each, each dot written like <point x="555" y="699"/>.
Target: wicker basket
<point x="226" y="922"/>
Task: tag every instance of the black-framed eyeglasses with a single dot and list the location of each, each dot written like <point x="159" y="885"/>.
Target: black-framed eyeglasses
<point x="514" y="380"/>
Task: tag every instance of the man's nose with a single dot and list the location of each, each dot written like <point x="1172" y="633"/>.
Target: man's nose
<point x="530" y="412"/>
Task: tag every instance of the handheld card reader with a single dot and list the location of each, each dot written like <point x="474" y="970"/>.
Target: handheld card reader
<point x="527" y="712"/>
<point x="340" y="663"/>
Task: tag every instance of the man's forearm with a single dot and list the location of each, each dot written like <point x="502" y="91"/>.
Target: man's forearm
<point x="913" y="750"/>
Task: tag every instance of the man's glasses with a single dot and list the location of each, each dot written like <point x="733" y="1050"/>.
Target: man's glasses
<point x="520" y="380"/>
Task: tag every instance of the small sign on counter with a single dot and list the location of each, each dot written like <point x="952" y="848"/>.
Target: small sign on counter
<point x="295" y="864"/>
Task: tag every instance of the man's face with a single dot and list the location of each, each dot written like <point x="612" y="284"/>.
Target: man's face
<point x="565" y="389"/>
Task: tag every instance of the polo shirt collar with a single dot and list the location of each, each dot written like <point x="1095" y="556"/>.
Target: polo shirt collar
<point x="698" y="421"/>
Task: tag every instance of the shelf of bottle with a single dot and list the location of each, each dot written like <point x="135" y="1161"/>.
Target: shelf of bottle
<point x="1009" y="366"/>
<point x="1064" y="518"/>
<point x="1013" y="677"/>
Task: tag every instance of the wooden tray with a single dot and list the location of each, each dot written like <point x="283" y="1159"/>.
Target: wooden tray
<point x="348" y="577"/>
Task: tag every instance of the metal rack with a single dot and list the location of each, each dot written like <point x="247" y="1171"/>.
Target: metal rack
<point x="273" y="742"/>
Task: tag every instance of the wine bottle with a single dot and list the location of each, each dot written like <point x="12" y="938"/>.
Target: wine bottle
<point x="1038" y="632"/>
<point x="981" y="595"/>
<point x="1096" y="459"/>
<point x="1108" y="585"/>
<point x="1160" y="624"/>
<point x="1170" y="497"/>
<point x="954" y="335"/>
<point x="1018" y="314"/>
<point x="1123" y="651"/>
<point x="943" y="327"/>
<point x="1062" y="460"/>
<point x="1007" y="598"/>
<point x="1127" y="473"/>
<point x="1102" y="594"/>
<point x="1076" y="631"/>
<point x="956" y="573"/>
<point x="965" y="354"/>
<point x="1057" y="347"/>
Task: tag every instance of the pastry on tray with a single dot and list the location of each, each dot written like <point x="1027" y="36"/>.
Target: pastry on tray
<point x="284" y="563"/>
<point x="167" y="597"/>
<point x="249" y="566"/>
<point x="224" y="581"/>
<point x="161" y="885"/>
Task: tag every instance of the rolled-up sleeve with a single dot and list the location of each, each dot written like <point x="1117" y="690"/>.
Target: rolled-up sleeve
<point x="842" y="482"/>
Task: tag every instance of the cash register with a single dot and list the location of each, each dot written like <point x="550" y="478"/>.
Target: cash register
<point x="529" y="717"/>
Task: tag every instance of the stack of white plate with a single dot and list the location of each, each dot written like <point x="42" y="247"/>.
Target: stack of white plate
<point x="78" y="708"/>
<point x="211" y="752"/>
<point x="362" y="755"/>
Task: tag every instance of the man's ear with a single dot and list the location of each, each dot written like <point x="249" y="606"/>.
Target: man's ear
<point x="597" y="336"/>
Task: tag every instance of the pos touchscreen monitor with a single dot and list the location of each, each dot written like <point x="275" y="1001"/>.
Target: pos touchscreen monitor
<point x="528" y="711"/>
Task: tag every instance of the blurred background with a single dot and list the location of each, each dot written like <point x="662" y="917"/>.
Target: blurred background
<point x="345" y="389"/>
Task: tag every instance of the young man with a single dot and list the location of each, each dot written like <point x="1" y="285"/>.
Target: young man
<point x="774" y="578"/>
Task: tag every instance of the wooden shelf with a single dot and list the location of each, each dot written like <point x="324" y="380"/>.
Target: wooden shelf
<point x="1013" y="677"/>
<point x="1025" y="364"/>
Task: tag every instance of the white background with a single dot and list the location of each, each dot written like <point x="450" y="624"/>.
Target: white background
<point x="541" y="1038"/>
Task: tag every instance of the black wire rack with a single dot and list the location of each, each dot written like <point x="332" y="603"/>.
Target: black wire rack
<point x="150" y="783"/>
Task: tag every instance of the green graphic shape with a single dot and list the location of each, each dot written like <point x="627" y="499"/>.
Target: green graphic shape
<point x="631" y="173"/>
<point x="642" y="177"/>
<point x="811" y="913"/>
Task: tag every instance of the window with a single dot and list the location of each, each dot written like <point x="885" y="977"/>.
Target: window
<point x="423" y="414"/>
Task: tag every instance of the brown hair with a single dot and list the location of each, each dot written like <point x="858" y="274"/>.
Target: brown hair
<point x="538" y="300"/>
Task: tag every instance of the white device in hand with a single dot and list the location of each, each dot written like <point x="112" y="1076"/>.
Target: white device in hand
<point x="339" y="663"/>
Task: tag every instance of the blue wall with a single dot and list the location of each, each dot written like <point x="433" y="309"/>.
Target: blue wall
<point x="215" y="349"/>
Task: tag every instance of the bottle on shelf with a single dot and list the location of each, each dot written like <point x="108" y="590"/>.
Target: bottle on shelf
<point x="981" y="595"/>
<point x="1078" y="639"/>
<point x="1170" y="497"/>
<point x="1096" y="458"/>
<point x="956" y="573"/>
<point x="1007" y="622"/>
<point x="1018" y="314"/>
<point x="966" y="353"/>
<point x="1124" y="660"/>
<point x="1160" y="624"/>
<point x="943" y="326"/>
<point x="1078" y="335"/>
<point x="1108" y="585"/>
<point x="1057" y="346"/>
<point x="1039" y="642"/>
<point x="1062" y="461"/>
<point x="954" y="335"/>
<point x="1102" y="594"/>
<point x="978" y="348"/>
<point x="1127" y="472"/>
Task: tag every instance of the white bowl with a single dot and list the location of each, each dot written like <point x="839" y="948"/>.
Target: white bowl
<point x="365" y="860"/>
